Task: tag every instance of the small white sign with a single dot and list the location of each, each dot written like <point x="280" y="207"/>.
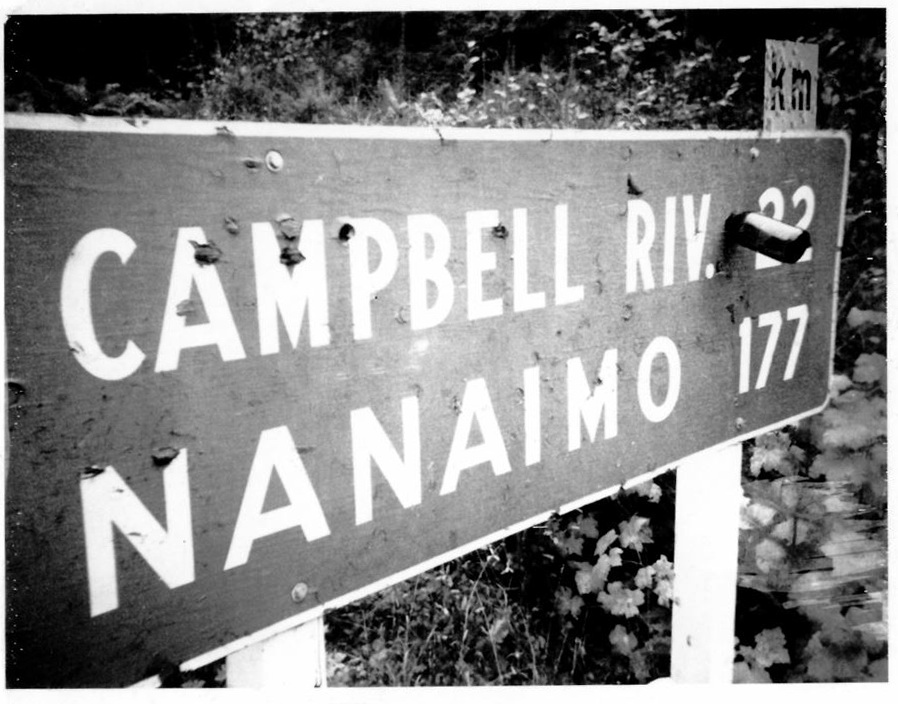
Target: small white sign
<point x="790" y="86"/>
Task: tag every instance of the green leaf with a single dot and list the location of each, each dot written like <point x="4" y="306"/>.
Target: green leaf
<point x="605" y="541"/>
<point x="635" y="533"/>
<point x="858" y="317"/>
<point x="568" y="603"/>
<point x="770" y="647"/>
<point x="571" y="544"/>
<point x="744" y="673"/>
<point x="589" y="527"/>
<point x="870" y="368"/>
<point x="619" y="601"/>
<point x="855" y="425"/>
<point x="839" y="467"/>
<point x="768" y="555"/>
<point x="622" y="640"/>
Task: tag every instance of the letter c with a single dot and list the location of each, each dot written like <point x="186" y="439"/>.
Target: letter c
<point x="75" y="305"/>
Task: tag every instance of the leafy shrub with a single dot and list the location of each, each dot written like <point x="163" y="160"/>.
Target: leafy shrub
<point x="582" y="598"/>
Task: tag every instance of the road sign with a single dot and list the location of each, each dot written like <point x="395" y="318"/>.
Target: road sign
<point x="790" y="85"/>
<point x="256" y="370"/>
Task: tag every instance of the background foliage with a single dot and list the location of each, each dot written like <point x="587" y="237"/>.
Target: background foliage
<point x="584" y="597"/>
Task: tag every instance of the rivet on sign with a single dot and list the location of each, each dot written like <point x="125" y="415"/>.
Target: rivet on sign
<point x="740" y="423"/>
<point x="299" y="592"/>
<point x="346" y="232"/>
<point x="755" y="153"/>
<point x="500" y="231"/>
<point x="274" y="161"/>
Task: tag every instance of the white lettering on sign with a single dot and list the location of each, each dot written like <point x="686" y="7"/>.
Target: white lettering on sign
<point x="276" y="453"/>
<point x="475" y="405"/>
<point x="641" y="230"/>
<point x="564" y="292"/>
<point x="532" y="424"/>
<point x="75" y="304"/>
<point x="660" y="346"/>
<point x="774" y="199"/>
<point x="433" y="269"/>
<point x="478" y="262"/>
<point x="108" y="503"/>
<point x="284" y="295"/>
<point x="695" y="233"/>
<point x="287" y="292"/>
<point x="774" y="321"/>
<point x="370" y="444"/>
<point x="662" y="247"/>
<point x="589" y="404"/>
<point x="365" y="283"/>
<point x="177" y="335"/>
<point x="524" y="300"/>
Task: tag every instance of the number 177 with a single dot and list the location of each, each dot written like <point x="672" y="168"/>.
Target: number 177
<point x="774" y="321"/>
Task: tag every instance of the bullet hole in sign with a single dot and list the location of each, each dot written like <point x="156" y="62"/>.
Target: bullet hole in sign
<point x="500" y="231"/>
<point x="231" y="225"/>
<point x="185" y="307"/>
<point x="14" y="391"/>
<point x="92" y="471"/>
<point x="206" y="253"/>
<point x="346" y="232"/>
<point x="632" y="188"/>
<point x="291" y="256"/>
<point x="288" y="227"/>
<point x="163" y="456"/>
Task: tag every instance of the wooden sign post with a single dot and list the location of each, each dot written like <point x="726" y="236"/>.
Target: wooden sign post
<point x="249" y="360"/>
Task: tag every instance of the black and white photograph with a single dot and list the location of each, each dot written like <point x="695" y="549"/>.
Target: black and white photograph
<point x="359" y="347"/>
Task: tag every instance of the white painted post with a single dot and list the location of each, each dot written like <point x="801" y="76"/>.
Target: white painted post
<point x="706" y="548"/>
<point x="294" y="659"/>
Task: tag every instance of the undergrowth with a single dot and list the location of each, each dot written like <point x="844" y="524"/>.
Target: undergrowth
<point x="582" y="598"/>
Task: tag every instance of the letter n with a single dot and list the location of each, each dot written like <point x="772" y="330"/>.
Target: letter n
<point x="108" y="502"/>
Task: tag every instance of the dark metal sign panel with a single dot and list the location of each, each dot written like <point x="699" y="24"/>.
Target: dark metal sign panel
<point x="257" y="369"/>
